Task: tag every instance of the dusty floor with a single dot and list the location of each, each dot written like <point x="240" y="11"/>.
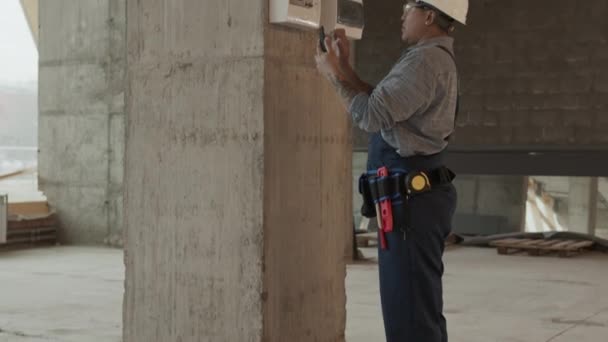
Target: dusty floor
<point x="61" y="294"/>
<point x="75" y="294"/>
<point x="492" y="298"/>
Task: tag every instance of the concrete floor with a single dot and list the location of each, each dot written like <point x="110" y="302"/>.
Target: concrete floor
<point x="493" y="298"/>
<point x="75" y="294"/>
<point x="61" y="294"/>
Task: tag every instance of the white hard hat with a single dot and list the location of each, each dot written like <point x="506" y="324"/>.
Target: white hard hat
<point x="456" y="9"/>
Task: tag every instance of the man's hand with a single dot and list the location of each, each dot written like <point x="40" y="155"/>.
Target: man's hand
<point x="333" y="62"/>
<point x="342" y="46"/>
<point x="334" y="65"/>
<point x="328" y="63"/>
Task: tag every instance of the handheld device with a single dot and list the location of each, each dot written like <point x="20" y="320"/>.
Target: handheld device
<point x="322" y="39"/>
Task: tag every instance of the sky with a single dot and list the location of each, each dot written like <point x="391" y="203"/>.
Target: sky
<point x="18" y="53"/>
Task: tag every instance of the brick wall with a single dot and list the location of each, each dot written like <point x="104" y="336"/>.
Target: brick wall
<point x="533" y="73"/>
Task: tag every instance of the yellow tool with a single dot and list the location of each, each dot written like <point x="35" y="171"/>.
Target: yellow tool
<point x="418" y="182"/>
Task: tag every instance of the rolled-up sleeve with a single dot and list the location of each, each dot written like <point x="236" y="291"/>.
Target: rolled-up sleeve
<point x="406" y="90"/>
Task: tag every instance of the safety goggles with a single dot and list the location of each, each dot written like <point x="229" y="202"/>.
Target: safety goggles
<point x="410" y="5"/>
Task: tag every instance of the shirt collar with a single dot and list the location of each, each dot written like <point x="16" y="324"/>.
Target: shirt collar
<point x="445" y="41"/>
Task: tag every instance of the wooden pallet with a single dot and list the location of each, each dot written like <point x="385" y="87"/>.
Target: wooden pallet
<point x="31" y="231"/>
<point x="536" y="247"/>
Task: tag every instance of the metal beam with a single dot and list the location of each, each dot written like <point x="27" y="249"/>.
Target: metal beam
<point x="571" y="162"/>
<point x="548" y="163"/>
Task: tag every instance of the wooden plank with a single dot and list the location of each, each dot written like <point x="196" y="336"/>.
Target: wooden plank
<point x="537" y="247"/>
<point x="547" y="243"/>
<point x="28" y="208"/>
<point x="561" y="245"/>
<point x="47" y="221"/>
<point x="29" y="240"/>
<point x="506" y="250"/>
<point x="541" y="248"/>
<point x="530" y="244"/>
<point x="579" y="245"/>
<point x="26" y="232"/>
<point x="502" y="250"/>
<point x="537" y="252"/>
<point x="503" y="241"/>
<point x="569" y="248"/>
<point x="508" y="242"/>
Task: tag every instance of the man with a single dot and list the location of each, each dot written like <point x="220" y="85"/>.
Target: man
<point x="411" y="114"/>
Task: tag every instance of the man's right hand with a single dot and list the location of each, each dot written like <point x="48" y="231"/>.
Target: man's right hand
<point x="341" y="46"/>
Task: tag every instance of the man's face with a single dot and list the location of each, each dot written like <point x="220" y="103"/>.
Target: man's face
<point x="414" y="18"/>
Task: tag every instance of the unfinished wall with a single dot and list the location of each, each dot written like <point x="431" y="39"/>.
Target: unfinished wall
<point x="237" y="185"/>
<point x="81" y="124"/>
<point x="533" y="78"/>
<point x="534" y="75"/>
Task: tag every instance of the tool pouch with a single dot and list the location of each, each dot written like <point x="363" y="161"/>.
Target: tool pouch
<point x="368" y="209"/>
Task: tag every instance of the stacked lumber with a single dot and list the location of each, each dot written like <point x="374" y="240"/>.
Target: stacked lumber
<point x="31" y="230"/>
<point x="24" y="211"/>
<point x="30" y="224"/>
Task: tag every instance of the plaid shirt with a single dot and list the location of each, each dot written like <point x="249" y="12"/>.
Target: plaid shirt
<point x="414" y="105"/>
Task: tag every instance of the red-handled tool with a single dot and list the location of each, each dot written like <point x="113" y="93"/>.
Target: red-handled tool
<point x="386" y="212"/>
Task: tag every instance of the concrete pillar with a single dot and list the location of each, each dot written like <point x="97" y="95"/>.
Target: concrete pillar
<point x="238" y="193"/>
<point x="582" y="204"/>
<point x="81" y="122"/>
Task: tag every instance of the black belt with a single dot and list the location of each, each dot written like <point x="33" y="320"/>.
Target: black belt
<point x="376" y="189"/>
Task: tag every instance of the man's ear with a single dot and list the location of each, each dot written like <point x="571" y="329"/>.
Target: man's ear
<point x="430" y="18"/>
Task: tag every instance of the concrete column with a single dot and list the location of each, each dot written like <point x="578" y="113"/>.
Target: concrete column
<point x="81" y="123"/>
<point x="582" y="204"/>
<point x="238" y="193"/>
